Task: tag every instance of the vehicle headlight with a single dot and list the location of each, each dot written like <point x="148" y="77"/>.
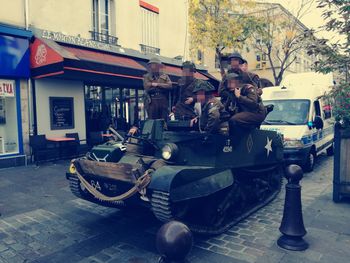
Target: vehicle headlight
<point x="289" y="143"/>
<point x="72" y="168"/>
<point x="169" y="151"/>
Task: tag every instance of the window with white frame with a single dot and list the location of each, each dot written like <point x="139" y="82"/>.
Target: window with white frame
<point x="150" y="31"/>
<point x="101" y="21"/>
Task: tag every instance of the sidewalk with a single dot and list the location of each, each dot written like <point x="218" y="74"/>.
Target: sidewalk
<point x="327" y="224"/>
<point x="43" y="222"/>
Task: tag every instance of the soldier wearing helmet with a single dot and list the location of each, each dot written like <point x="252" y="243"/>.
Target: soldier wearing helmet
<point x="157" y="86"/>
<point x="250" y="109"/>
<point x="239" y="66"/>
<point x="183" y="104"/>
<point x="210" y="108"/>
<point x="235" y="60"/>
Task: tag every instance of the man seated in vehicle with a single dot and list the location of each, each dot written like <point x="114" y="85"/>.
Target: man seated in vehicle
<point x="210" y="109"/>
<point x="251" y="111"/>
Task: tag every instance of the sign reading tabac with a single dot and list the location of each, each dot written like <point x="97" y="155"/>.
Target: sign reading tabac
<point x="7" y="88"/>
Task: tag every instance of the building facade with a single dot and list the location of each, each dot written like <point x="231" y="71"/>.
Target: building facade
<point x="258" y="62"/>
<point x="87" y="59"/>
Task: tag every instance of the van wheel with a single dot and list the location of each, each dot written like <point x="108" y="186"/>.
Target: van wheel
<point x="310" y="162"/>
<point x="330" y="150"/>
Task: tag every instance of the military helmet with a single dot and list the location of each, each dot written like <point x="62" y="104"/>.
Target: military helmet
<point x="189" y="65"/>
<point x="232" y="76"/>
<point x="203" y="85"/>
<point x="236" y="55"/>
<point x="155" y="60"/>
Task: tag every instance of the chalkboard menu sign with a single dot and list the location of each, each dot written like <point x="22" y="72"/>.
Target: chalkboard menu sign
<point x="61" y="113"/>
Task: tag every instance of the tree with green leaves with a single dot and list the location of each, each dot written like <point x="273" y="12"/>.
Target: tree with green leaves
<point x="219" y="24"/>
<point x="335" y="56"/>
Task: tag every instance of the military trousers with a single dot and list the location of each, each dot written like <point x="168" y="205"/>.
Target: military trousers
<point x="247" y="119"/>
<point x="158" y="108"/>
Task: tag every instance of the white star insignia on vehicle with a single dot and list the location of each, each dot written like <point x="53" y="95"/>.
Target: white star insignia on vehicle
<point x="268" y="146"/>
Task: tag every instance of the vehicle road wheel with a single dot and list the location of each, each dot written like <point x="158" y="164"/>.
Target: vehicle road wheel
<point x="310" y="162"/>
<point x="330" y="150"/>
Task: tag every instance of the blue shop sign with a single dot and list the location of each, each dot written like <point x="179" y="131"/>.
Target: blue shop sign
<point x="14" y="57"/>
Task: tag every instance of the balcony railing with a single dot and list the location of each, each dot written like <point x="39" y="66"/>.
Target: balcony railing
<point x="104" y="38"/>
<point x="149" y="50"/>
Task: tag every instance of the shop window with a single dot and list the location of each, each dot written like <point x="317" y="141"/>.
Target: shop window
<point x="120" y="107"/>
<point x="8" y="118"/>
<point x="149" y="29"/>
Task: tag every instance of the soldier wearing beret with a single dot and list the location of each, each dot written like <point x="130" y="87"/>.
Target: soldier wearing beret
<point x="157" y="86"/>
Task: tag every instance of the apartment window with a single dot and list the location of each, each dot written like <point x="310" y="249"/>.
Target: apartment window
<point x="150" y="28"/>
<point x="101" y="16"/>
<point x="199" y="55"/>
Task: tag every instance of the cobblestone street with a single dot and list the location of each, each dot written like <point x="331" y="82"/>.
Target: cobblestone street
<point x="43" y="222"/>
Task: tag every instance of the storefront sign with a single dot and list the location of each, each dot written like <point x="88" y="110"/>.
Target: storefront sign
<point x="7" y="88"/>
<point x="42" y="55"/>
<point x="61" y="113"/>
<point x="75" y="40"/>
<point x="14" y="57"/>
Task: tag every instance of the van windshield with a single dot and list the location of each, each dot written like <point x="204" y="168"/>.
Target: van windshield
<point x="288" y="112"/>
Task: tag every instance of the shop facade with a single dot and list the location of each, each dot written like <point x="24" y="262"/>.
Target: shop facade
<point x="104" y="83"/>
<point x="14" y="76"/>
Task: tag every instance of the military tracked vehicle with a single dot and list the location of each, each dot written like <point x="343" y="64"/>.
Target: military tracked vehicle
<point x="208" y="181"/>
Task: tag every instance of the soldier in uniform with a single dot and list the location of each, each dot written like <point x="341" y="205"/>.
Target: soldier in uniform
<point x="239" y="66"/>
<point x="251" y="111"/>
<point x="211" y="108"/>
<point x="183" y="97"/>
<point x="252" y="78"/>
<point x="157" y="86"/>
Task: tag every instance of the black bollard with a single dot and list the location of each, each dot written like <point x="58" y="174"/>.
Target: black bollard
<point x="292" y="225"/>
<point x="174" y="241"/>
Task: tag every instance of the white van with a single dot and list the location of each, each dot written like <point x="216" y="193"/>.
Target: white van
<point x="303" y="116"/>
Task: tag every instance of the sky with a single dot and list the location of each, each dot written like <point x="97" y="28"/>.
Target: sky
<point x="312" y="20"/>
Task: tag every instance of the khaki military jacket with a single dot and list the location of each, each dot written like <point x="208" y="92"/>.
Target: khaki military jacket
<point x="162" y="90"/>
<point x="163" y="79"/>
<point x="250" y="101"/>
<point x="210" y="117"/>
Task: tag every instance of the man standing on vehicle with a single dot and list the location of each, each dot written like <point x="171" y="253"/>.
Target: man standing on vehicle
<point x="183" y="95"/>
<point x="157" y="86"/>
